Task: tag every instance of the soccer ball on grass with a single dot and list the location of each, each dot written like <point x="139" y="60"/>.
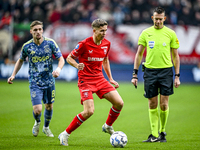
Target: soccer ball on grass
<point x="118" y="139"/>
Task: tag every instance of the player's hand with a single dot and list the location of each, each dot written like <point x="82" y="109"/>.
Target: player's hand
<point x="56" y="72"/>
<point x="135" y="81"/>
<point x="177" y="82"/>
<point x="115" y="83"/>
<point x="10" y="80"/>
<point x="80" y="66"/>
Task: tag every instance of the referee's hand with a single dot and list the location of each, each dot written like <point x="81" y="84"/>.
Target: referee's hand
<point x="134" y="81"/>
<point x="177" y="82"/>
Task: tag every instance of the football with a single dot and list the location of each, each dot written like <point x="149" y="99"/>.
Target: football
<point x="118" y="139"/>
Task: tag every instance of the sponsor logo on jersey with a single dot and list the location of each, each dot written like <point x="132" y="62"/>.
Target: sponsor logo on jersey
<point x="39" y="59"/>
<point x="95" y="59"/>
<point x="151" y="44"/>
<point x="33" y="52"/>
<point x="77" y="46"/>
<point x="90" y="51"/>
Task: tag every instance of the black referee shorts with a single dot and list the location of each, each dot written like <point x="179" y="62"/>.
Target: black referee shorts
<point x="158" y="81"/>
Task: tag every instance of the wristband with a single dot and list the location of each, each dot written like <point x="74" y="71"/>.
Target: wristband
<point x="134" y="77"/>
<point x="135" y="71"/>
<point x="178" y="74"/>
<point x="58" y="70"/>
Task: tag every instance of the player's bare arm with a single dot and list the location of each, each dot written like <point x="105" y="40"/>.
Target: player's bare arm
<point x="61" y="63"/>
<point x="106" y="67"/>
<point x="176" y="62"/>
<point x="138" y="59"/>
<point x="72" y="62"/>
<point x="16" y="69"/>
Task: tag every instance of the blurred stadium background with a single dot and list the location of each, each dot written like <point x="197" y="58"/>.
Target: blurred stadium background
<point x="68" y="21"/>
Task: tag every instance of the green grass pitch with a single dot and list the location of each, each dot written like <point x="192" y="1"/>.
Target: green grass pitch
<point x="16" y="120"/>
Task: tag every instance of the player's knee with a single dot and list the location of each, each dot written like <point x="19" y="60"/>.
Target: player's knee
<point x="88" y="113"/>
<point x="48" y="107"/>
<point x="37" y="111"/>
<point x="119" y="105"/>
<point x="163" y="107"/>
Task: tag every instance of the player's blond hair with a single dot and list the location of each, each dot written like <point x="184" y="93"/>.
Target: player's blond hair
<point x="36" y="22"/>
<point x="97" y="23"/>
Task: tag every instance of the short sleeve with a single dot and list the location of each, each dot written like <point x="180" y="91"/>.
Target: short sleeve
<point x="23" y="54"/>
<point x="55" y="49"/>
<point x="175" y="41"/>
<point x="78" y="50"/>
<point x="141" y="40"/>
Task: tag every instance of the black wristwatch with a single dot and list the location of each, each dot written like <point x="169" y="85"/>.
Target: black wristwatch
<point x="178" y="74"/>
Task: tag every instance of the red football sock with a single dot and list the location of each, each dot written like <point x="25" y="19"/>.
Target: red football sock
<point x="76" y="122"/>
<point x="113" y="115"/>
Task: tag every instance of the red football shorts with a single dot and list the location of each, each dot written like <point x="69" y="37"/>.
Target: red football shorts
<point x="88" y="87"/>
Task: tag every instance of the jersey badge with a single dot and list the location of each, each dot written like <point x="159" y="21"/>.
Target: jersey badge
<point x="46" y="48"/>
<point x="105" y="49"/>
<point x="177" y="41"/>
<point x="85" y="94"/>
<point x="151" y="44"/>
<point x="77" y="46"/>
<point x="164" y="44"/>
<point x="33" y="94"/>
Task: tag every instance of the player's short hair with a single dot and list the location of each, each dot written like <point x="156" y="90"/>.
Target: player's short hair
<point x="36" y="22"/>
<point x="97" y="23"/>
<point x="159" y="10"/>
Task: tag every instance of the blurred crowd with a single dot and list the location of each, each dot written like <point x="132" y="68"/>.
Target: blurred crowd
<point x="116" y="12"/>
<point x="181" y="12"/>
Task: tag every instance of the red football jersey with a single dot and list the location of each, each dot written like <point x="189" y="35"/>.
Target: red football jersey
<point x="92" y="55"/>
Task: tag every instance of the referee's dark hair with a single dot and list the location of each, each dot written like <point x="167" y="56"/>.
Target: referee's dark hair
<point x="159" y="10"/>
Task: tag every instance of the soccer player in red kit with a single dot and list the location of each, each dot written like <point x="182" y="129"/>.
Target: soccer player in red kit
<point x="92" y="53"/>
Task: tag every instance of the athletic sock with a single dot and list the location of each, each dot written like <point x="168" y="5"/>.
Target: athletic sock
<point x="163" y="119"/>
<point x="37" y="117"/>
<point x="47" y="117"/>
<point x="153" y="117"/>
<point x="112" y="116"/>
<point x="76" y="122"/>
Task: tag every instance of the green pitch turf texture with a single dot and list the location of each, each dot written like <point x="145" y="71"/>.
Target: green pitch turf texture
<point x="16" y="120"/>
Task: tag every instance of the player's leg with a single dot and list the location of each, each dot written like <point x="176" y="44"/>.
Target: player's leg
<point x="48" y="99"/>
<point x="117" y="103"/>
<point x="153" y="118"/>
<point x="164" y="112"/>
<point x="36" y="97"/>
<point x="151" y="92"/>
<point x="166" y="89"/>
<point x="77" y="121"/>
<point x="88" y="106"/>
<point x="81" y="117"/>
